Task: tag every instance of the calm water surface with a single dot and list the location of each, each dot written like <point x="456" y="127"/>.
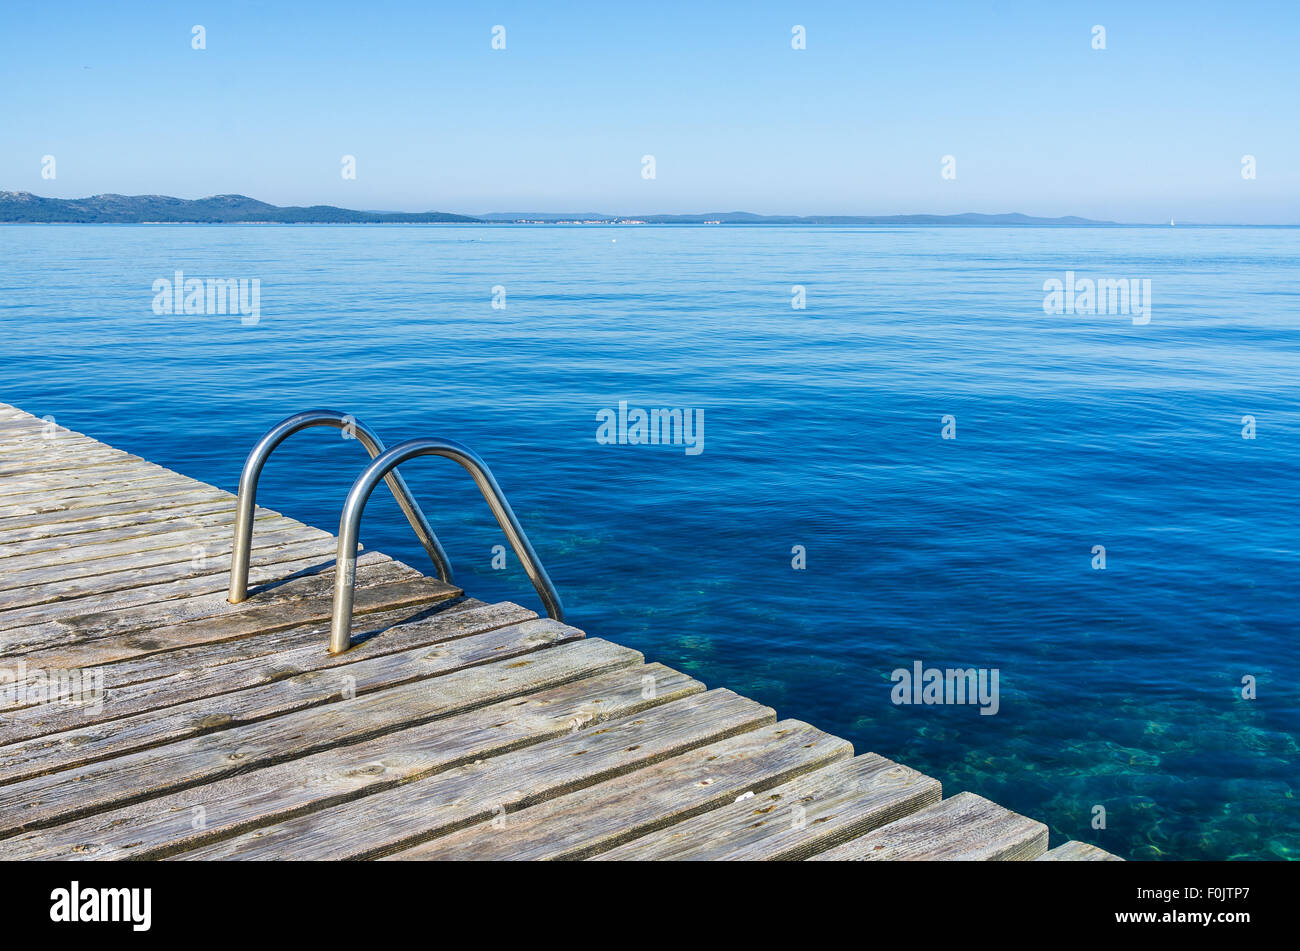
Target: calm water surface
<point x="1119" y="688"/>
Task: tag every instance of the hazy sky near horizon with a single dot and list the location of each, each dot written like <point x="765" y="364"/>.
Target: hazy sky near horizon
<point x="1154" y="126"/>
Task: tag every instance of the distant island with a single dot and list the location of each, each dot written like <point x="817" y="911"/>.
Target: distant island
<point x="26" y="208"/>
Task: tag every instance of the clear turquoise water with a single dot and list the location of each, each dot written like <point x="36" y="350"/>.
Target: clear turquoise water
<point x="1119" y="688"/>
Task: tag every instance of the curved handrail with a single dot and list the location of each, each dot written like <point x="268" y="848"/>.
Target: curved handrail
<point x="350" y="527"/>
<point x="247" y="501"/>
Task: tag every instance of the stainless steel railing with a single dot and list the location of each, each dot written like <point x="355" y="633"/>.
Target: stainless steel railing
<point x="243" y="545"/>
<point x="380" y="468"/>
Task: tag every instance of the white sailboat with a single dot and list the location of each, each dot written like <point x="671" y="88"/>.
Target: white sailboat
<point x="1171" y="222"/>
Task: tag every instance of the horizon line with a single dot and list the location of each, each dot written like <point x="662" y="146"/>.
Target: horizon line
<point x="624" y="219"/>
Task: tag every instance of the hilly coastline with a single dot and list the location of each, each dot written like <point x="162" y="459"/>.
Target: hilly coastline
<point x="26" y="208"/>
<point x="16" y="207"/>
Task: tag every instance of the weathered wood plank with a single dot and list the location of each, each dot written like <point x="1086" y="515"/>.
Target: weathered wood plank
<point x="80" y="747"/>
<point x="414" y="812"/>
<point x="212" y="541"/>
<point x="190" y="639"/>
<point x="269" y="568"/>
<point x="53" y="512"/>
<point x="599" y="817"/>
<point x="19" y="512"/>
<point x="134" y="618"/>
<point x="38" y="442"/>
<point x="50" y="800"/>
<point x="45" y="455"/>
<point x="67" y="509"/>
<point x="196" y="649"/>
<point x="66" y="446"/>
<point x="1076" y="851"/>
<point x="263" y="687"/>
<point x="74" y="481"/>
<point x="13" y="465"/>
<point x="118" y="478"/>
<point x="17" y="604"/>
<point x="20" y="434"/>
<point x="107" y="489"/>
<point x="796" y="819"/>
<point x="966" y="827"/>
<point x="208" y="651"/>
<point x="62" y="445"/>
<point x="210" y="534"/>
<point x="156" y="532"/>
<point x="229" y="806"/>
<point x="27" y="429"/>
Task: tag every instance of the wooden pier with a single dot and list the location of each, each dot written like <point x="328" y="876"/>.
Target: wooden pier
<point x="142" y="715"/>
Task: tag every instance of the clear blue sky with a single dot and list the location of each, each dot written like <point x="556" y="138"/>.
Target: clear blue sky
<point x="1152" y="127"/>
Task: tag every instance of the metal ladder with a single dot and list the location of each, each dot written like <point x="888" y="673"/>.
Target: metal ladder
<point x="381" y="468"/>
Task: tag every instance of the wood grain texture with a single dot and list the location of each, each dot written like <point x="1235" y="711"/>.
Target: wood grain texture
<point x="293" y="678"/>
<point x="159" y="529"/>
<point x="60" y="508"/>
<point x="32" y="519"/>
<point x="134" y="618"/>
<point x="414" y="812"/>
<point x="794" y="820"/>
<point x="13" y="464"/>
<point x="584" y="823"/>
<point x="289" y="546"/>
<point x="271" y="689"/>
<point x="102" y="491"/>
<point x="82" y="480"/>
<point x="1076" y="851"/>
<point x="231" y="806"/>
<point x="212" y="541"/>
<point x="59" y="529"/>
<point x="193" y="550"/>
<point x="966" y="828"/>
<point x="378" y="590"/>
<point x="58" y="797"/>
<point x="114" y="535"/>
<point x="270" y="565"/>
<point x="35" y="443"/>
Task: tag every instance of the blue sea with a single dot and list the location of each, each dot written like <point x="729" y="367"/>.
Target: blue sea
<point x="1120" y="687"/>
